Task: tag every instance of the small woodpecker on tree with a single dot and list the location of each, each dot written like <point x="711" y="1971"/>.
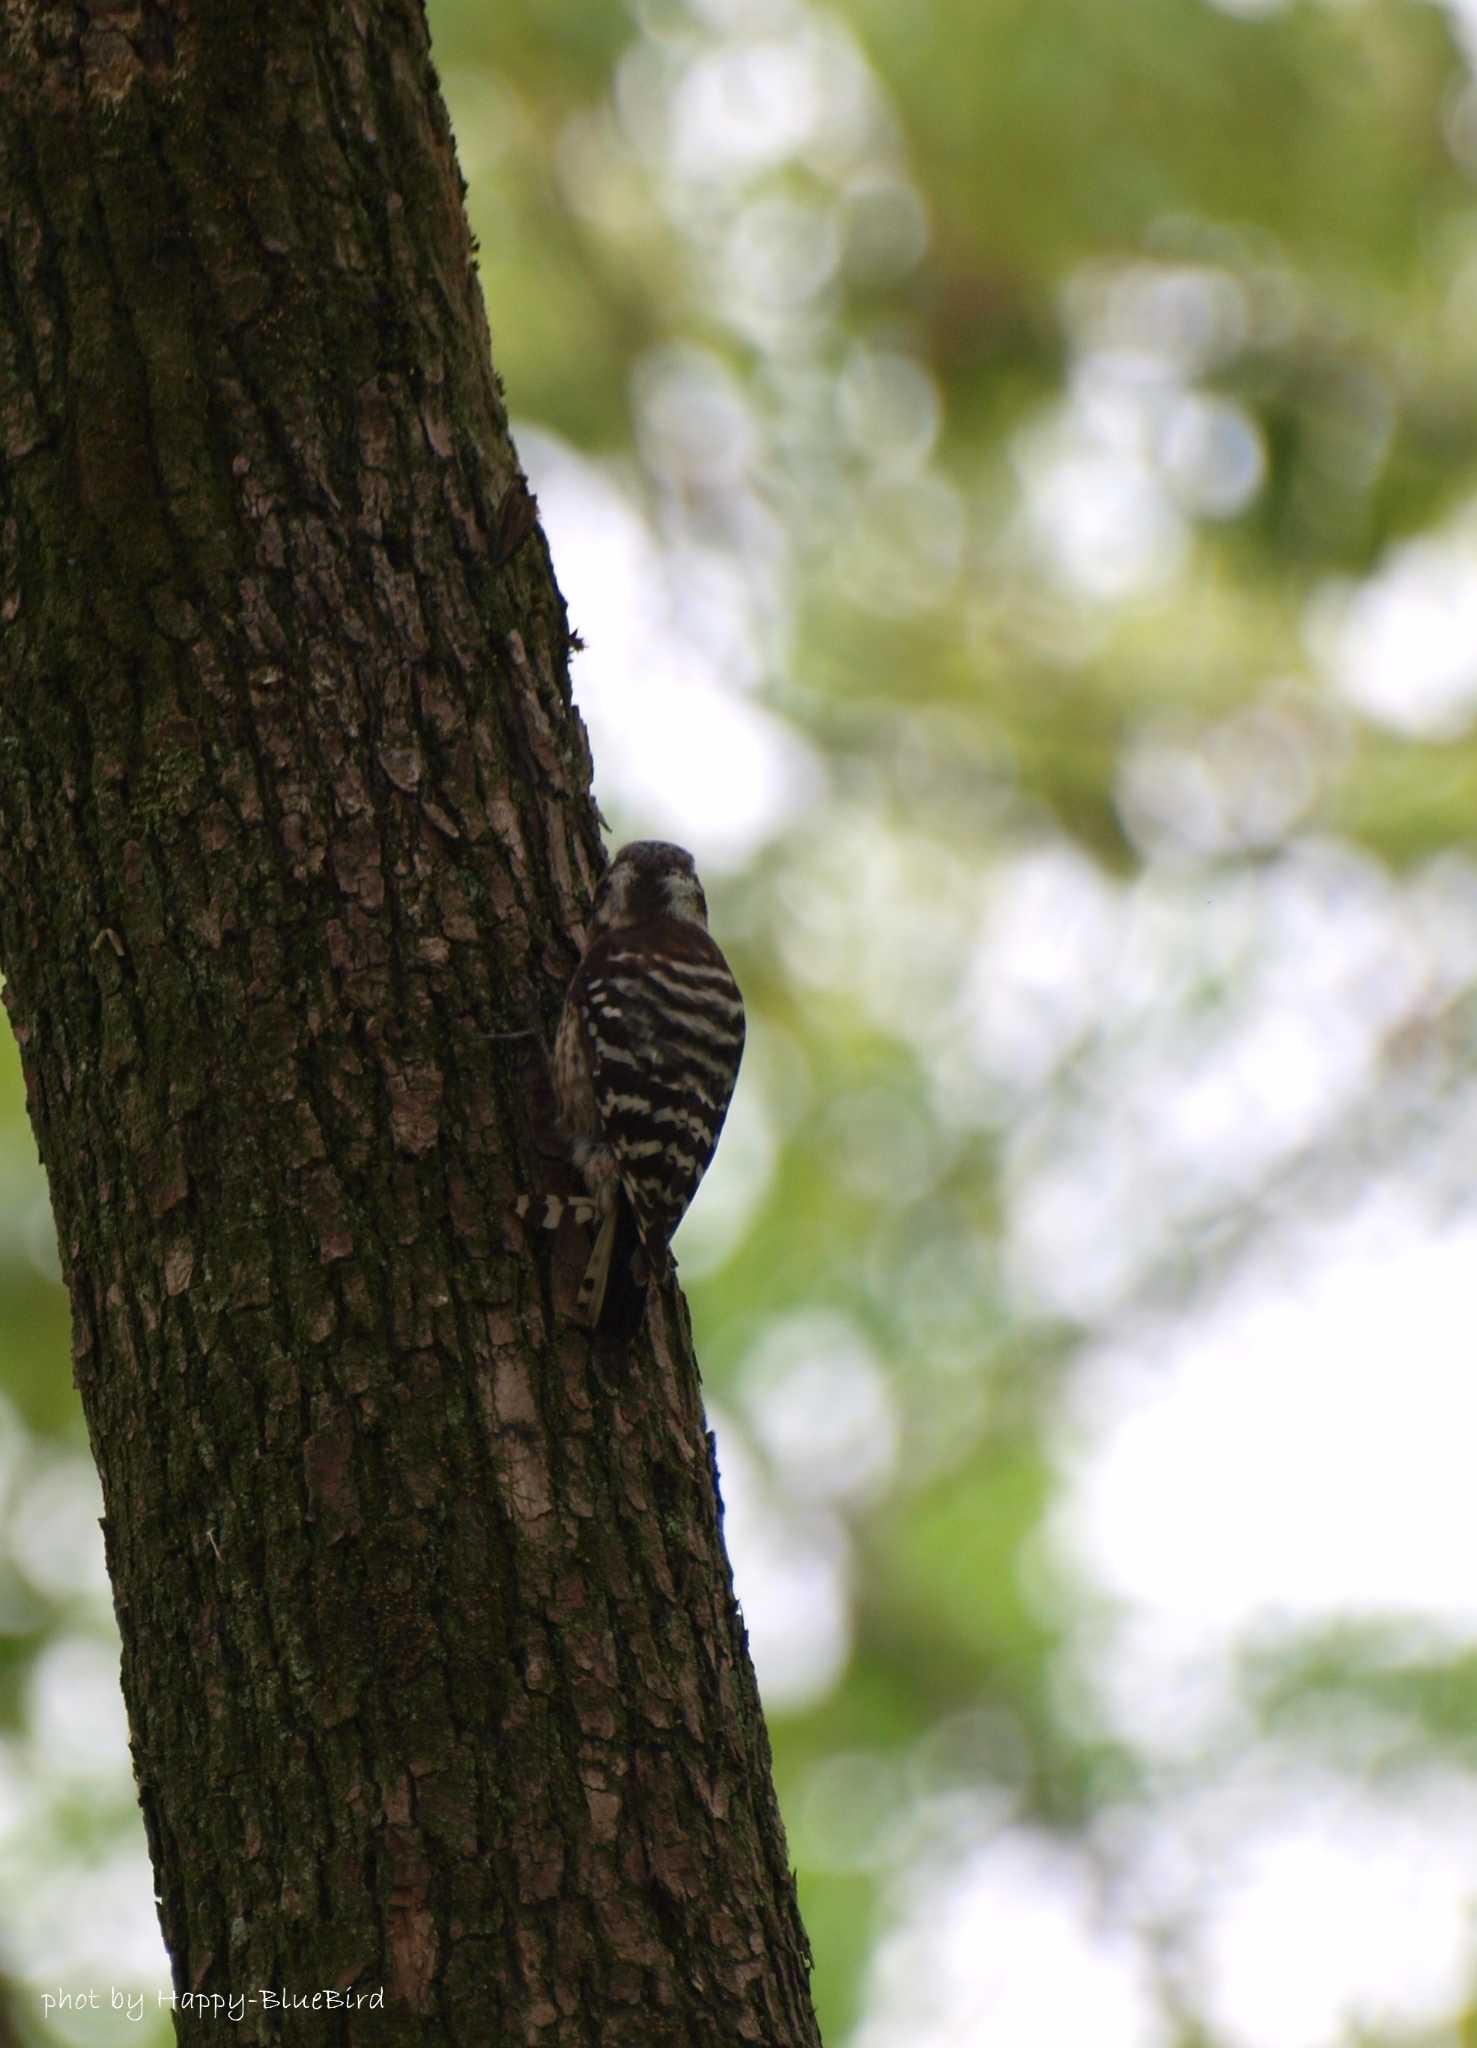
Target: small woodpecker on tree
<point x="645" y="1061"/>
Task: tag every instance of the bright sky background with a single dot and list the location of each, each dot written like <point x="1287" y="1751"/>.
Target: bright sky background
<point x="1296" y="1449"/>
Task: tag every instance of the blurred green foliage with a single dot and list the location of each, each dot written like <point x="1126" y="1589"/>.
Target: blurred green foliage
<point x="1054" y="428"/>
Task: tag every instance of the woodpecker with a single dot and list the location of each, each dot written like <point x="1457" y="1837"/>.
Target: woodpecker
<point x="645" y="1061"/>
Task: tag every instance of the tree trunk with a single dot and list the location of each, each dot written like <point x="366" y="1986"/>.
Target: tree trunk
<point x="435" y="1679"/>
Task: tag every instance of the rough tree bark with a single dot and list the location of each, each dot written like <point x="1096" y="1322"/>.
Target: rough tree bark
<point x="433" y="1670"/>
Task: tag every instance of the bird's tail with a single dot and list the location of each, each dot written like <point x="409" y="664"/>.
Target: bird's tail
<point x="612" y="1296"/>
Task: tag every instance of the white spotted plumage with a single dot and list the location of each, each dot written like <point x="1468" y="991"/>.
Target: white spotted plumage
<point x="645" y="1061"/>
